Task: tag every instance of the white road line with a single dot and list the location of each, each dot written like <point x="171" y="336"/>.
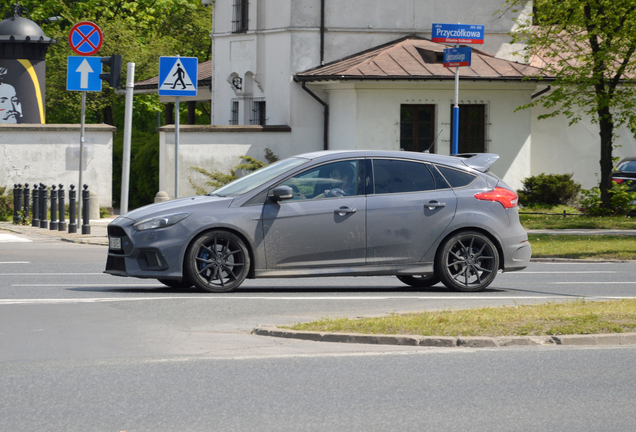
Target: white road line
<point x="592" y="282"/>
<point x="560" y="272"/>
<point x="51" y="274"/>
<point x="15" y="262"/>
<point x="10" y="238"/>
<point x="87" y="285"/>
<point x="213" y="297"/>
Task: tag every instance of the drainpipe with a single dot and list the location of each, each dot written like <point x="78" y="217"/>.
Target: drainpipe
<point x="322" y="32"/>
<point x="537" y="94"/>
<point x="326" y="116"/>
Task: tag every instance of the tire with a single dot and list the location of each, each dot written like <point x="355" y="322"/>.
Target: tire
<point x="467" y="261"/>
<point x="217" y="261"/>
<point x="173" y="283"/>
<point x="419" y="281"/>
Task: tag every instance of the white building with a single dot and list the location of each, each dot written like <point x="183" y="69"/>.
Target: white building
<point x="280" y="66"/>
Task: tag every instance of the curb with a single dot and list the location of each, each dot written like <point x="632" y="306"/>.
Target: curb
<point x="450" y="341"/>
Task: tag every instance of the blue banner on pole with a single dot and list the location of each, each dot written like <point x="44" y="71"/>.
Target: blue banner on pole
<point x="457" y="57"/>
<point x="458" y="33"/>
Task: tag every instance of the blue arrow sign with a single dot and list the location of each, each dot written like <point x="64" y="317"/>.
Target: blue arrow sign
<point x="82" y="74"/>
<point x="178" y="76"/>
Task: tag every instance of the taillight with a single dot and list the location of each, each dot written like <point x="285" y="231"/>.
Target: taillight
<point x="505" y="197"/>
<point x="618" y="180"/>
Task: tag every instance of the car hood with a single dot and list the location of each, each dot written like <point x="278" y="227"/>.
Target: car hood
<point x="180" y="205"/>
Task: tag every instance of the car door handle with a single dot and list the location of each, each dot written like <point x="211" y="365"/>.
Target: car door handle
<point x="345" y="210"/>
<point x="434" y="204"/>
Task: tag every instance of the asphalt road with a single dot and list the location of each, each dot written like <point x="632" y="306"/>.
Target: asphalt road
<point x="81" y="350"/>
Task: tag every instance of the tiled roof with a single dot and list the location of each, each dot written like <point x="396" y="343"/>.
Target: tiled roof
<point x="204" y="76"/>
<point x="416" y="58"/>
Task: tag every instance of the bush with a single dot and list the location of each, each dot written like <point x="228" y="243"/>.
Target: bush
<point x="547" y="190"/>
<point x="6" y="205"/>
<point x="623" y="201"/>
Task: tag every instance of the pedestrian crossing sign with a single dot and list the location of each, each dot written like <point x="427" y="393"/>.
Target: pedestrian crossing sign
<point x="178" y="76"/>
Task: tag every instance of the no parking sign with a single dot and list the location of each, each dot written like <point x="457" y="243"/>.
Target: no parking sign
<point x="85" y="38"/>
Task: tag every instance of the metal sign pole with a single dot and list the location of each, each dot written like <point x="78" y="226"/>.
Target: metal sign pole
<point x="176" y="147"/>
<point x="81" y="152"/>
<point x="455" y="146"/>
<point x="125" y="169"/>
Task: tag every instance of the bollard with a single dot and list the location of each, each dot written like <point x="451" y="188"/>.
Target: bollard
<point x="72" y="226"/>
<point x="25" y="213"/>
<point x="53" y="224"/>
<point x="61" y="224"/>
<point x="17" y="203"/>
<point x="35" y="222"/>
<point x="43" y="210"/>
<point x="86" y="226"/>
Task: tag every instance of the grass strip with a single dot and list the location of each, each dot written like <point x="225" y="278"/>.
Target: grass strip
<point x="619" y="247"/>
<point x="576" y="222"/>
<point x="572" y="317"/>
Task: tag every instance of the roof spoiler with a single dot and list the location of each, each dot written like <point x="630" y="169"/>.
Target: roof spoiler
<point x="479" y="161"/>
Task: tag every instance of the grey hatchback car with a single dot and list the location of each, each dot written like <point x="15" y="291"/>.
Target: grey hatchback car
<point x="422" y="217"/>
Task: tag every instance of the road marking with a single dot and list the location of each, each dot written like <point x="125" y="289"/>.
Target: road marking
<point x="561" y="272"/>
<point x="10" y="238"/>
<point x="50" y="274"/>
<point x="334" y="298"/>
<point x="591" y="282"/>
<point x="15" y="262"/>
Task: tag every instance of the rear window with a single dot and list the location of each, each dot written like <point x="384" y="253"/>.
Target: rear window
<point x="455" y="177"/>
<point x="628" y="166"/>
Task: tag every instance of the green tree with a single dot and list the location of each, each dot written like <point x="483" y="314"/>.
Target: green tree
<point x="141" y="31"/>
<point x="588" y="46"/>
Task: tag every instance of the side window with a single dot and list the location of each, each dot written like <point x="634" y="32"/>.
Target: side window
<point x="330" y="180"/>
<point x="398" y="176"/>
<point x="455" y="177"/>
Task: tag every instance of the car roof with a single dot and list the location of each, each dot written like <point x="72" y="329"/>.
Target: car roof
<point x="478" y="161"/>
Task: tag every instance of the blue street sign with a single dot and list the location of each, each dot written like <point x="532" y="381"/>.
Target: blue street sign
<point x="457" y="57"/>
<point x="82" y="74"/>
<point x="458" y="33"/>
<point x="178" y="76"/>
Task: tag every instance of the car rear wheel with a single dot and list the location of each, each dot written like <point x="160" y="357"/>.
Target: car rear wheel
<point x="217" y="261"/>
<point x="419" y="281"/>
<point x="173" y="283"/>
<point x="467" y="261"/>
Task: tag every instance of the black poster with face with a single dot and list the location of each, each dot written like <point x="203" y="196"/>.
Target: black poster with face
<point x="22" y="91"/>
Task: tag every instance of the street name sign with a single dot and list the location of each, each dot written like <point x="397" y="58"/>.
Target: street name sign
<point x="82" y="74"/>
<point x="458" y="33"/>
<point x="457" y="57"/>
<point x="85" y="38"/>
<point x="178" y="76"/>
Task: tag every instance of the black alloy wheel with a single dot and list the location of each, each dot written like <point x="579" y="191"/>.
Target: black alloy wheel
<point x="420" y="281"/>
<point x="217" y="261"/>
<point x="467" y="261"/>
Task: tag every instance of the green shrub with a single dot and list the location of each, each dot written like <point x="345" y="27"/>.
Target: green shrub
<point x="548" y="190"/>
<point x="6" y="205"/>
<point x="623" y="201"/>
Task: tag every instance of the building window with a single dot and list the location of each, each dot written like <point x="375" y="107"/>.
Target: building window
<point x="472" y="128"/>
<point x="417" y="128"/>
<point x="240" y="18"/>
<point x="259" y="114"/>
<point x="234" y="112"/>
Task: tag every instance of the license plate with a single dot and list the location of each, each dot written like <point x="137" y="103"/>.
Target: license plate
<point x="114" y="242"/>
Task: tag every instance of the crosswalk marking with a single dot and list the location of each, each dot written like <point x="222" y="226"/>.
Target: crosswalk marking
<point x="10" y="238"/>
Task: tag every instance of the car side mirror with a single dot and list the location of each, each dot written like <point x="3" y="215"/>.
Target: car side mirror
<point x="281" y="193"/>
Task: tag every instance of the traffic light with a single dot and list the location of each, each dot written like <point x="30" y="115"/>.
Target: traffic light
<point x="113" y="78"/>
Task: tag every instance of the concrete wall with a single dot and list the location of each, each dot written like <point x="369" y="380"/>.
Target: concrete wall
<point x="558" y="148"/>
<point x="214" y="148"/>
<point x="49" y="154"/>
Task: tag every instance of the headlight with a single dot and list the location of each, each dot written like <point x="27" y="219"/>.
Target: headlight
<point x="160" y="221"/>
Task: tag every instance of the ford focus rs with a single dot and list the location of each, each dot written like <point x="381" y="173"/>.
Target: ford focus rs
<point x="422" y="217"/>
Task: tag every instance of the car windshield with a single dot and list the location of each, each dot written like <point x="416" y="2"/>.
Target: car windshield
<point x="257" y="178"/>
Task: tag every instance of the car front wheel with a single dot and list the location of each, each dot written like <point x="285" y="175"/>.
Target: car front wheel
<point x="467" y="261"/>
<point x="217" y="261"/>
